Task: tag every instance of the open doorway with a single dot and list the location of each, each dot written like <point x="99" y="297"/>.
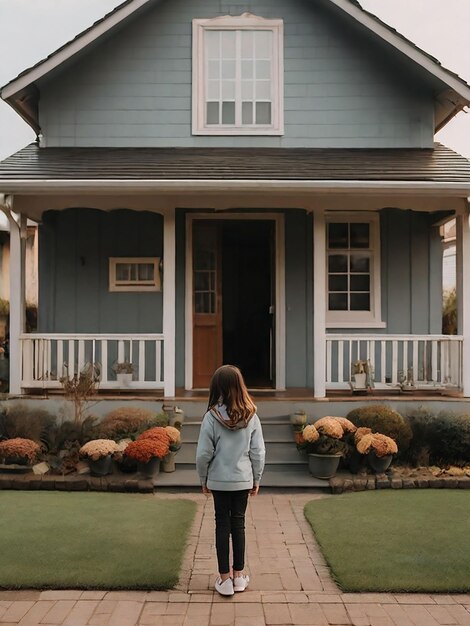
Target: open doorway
<point x="233" y="299"/>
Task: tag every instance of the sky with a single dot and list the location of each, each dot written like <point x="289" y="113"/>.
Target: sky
<point x="32" y="29"/>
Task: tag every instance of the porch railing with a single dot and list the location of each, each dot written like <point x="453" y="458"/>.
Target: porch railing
<point x="47" y="357"/>
<point x="432" y="360"/>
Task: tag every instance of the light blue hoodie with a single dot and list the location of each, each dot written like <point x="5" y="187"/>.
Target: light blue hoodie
<point x="229" y="458"/>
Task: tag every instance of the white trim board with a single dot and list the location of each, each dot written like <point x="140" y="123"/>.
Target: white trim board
<point x="280" y="295"/>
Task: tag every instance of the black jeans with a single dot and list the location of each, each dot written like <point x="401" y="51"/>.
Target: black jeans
<point x="230" y="507"/>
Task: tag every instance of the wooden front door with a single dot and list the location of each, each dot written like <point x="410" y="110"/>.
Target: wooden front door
<point x="207" y="302"/>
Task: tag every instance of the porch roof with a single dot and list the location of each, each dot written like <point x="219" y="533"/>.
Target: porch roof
<point x="439" y="167"/>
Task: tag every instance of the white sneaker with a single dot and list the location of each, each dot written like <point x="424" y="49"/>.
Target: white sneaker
<point x="240" y="583"/>
<point x="224" y="588"/>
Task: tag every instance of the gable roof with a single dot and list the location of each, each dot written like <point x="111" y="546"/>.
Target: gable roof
<point x="22" y="94"/>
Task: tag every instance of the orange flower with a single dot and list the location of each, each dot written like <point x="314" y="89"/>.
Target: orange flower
<point x="142" y="450"/>
<point x="360" y="432"/>
<point x="346" y="424"/>
<point x="299" y="438"/>
<point x="157" y="432"/>
<point x="310" y="433"/>
<point x="19" y="447"/>
<point x="173" y="433"/>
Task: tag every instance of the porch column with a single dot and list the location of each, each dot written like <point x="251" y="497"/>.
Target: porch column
<point x="169" y="303"/>
<point x="17" y="297"/>
<point x="319" y="304"/>
<point x="463" y="295"/>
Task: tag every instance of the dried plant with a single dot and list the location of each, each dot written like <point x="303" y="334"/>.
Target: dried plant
<point x="80" y="387"/>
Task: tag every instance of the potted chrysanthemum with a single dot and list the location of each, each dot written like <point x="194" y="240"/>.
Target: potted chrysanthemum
<point x="149" y="449"/>
<point x="324" y="443"/>
<point x="99" y="454"/>
<point x="168" y="463"/>
<point x="19" y="451"/>
<point x="378" y="448"/>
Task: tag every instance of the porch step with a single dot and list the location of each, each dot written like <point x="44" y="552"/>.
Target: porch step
<point x="279" y="476"/>
<point x="276" y="452"/>
<point x="278" y="429"/>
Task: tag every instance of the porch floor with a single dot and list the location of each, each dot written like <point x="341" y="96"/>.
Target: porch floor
<point x="294" y="394"/>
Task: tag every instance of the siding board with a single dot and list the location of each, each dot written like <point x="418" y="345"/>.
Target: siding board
<point x="342" y="89"/>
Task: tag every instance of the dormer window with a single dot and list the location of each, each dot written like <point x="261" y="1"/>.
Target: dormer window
<point x="238" y="76"/>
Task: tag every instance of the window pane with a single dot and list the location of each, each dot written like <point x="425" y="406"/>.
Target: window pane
<point x="228" y="44"/>
<point x="212" y="44"/>
<point x="212" y="113"/>
<point x="338" y="282"/>
<point x="338" y="235"/>
<point x="228" y="90"/>
<point x="213" y="90"/>
<point x="263" y="113"/>
<point x="360" y="282"/>
<point x="146" y="271"/>
<point x="213" y="69"/>
<point x="263" y="90"/>
<point x="360" y="302"/>
<point x="247" y="69"/>
<point x="201" y="281"/>
<point x="228" y="112"/>
<point x="359" y="235"/>
<point x="247" y="90"/>
<point x="247" y="44"/>
<point x="338" y="302"/>
<point x="228" y="69"/>
<point x="359" y="263"/>
<point x="247" y="112"/>
<point x="263" y="44"/>
<point x="204" y="259"/>
<point x="263" y="69"/>
<point x="338" y="263"/>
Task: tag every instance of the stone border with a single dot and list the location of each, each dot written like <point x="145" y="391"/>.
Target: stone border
<point x="76" y="482"/>
<point x="342" y="483"/>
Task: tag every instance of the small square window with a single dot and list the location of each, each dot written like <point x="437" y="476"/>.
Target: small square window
<point x="134" y="274"/>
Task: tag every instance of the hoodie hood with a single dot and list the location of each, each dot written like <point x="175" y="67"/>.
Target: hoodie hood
<point x="220" y="413"/>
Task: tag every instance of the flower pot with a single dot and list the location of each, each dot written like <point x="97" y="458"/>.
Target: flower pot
<point x="323" y="465"/>
<point x="168" y="462"/>
<point x="360" y="380"/>
<point x="299" y="418"/>
<point x="177" y="416"/>
<point x="151" y="469"/>
<point x="124" y="379"/>
<point x="379" y="464"/>
<point x="101" y="467"/>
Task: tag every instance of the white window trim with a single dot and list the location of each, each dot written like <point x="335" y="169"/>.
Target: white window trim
<point x="136" y="285"/>
<point x="246" y="21"/>
<point x="359" y="319"/>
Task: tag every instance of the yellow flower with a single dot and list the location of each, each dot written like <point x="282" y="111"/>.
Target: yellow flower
<point x="310" y="433"/>
<point x="365" y="443"/>
<point x="360" y="432"/>
<point x="329" y="426"/>
<point x="174" y="434"/>
<point x="346" y="424"/>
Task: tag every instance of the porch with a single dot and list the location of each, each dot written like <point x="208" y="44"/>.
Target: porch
<point x="433" y="361"/>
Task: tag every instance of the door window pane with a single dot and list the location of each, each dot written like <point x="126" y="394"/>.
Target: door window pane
<point x="360" y="302"/>
<point x="360" y="282"/>
<point x="338" y="282"/>
<point x="338" y="235"/>
<point x="360" y="263"/>
<point x="338" y="263"/>
<point x="338" y="302"/>
<point x="359" y="235"/>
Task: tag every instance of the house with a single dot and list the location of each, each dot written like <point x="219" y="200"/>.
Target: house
<point x="255" y="183"/>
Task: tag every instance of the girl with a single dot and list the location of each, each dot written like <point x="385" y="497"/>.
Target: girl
<point x="230" y="461"/>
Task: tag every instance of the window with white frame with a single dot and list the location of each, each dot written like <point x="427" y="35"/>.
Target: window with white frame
<point x="238" y="76"/>
<point x="134" y="274"/>
<point x="353" y="271"/>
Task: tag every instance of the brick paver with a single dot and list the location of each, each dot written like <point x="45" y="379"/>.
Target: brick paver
<point x="291" y="585"/>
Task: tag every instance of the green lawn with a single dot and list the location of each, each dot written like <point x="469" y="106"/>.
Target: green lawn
<point x="396" y="540"/>
<point x="91" y="540"/>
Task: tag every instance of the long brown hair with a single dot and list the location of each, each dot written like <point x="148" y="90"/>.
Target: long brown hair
<point x="228" y="387"/>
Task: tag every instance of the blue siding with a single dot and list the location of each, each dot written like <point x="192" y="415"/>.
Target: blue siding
<point x="75" y="246"/>
<point x="342" y="89"/>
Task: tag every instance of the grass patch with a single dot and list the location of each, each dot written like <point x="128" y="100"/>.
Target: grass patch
<point x="92" y="540"/>
<point x="397" y="541"/>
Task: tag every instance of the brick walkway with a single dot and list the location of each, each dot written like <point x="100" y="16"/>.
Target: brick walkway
<point x="290" y="585"/>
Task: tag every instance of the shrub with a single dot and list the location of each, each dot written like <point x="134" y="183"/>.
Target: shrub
<point x="129" y="422"/>
<point x="439" y="439"/>
<point x="26" y="422"/>
<point x="382" y="419"/>
<point x="449" y="312"/>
